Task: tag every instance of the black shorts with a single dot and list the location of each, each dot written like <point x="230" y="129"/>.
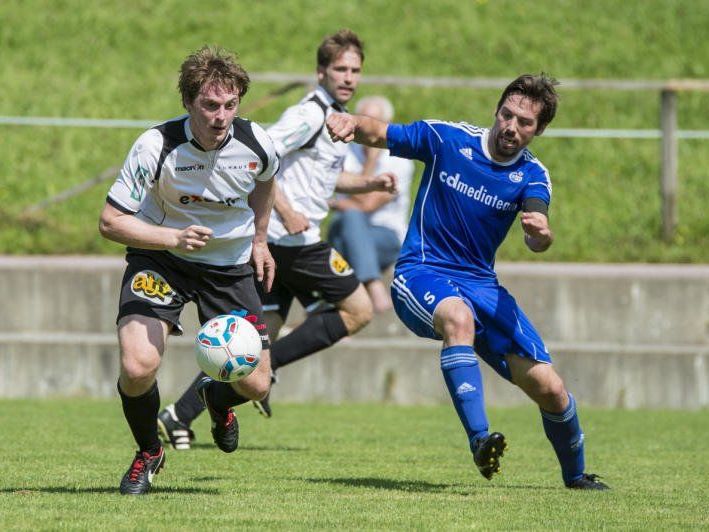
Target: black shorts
<point x="158" y="284"/>
<point x="312" y="274"/>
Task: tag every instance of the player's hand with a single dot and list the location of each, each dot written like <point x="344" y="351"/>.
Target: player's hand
<point x="536" y="229"/>
<point x="385" y="182"/>
<point x="341" y="126"/>
<point x="296" y="223"/>
<point x="264" y="265"/>
<point x="193" y="237"/>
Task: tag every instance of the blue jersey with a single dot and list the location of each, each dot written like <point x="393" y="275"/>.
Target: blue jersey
<point x="466" y="201"/>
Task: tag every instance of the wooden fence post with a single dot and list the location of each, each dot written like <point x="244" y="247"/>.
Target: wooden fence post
<point x="668" y="180"/>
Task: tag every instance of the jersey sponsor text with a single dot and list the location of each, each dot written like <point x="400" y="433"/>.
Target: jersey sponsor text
<point x="478" y="194"/>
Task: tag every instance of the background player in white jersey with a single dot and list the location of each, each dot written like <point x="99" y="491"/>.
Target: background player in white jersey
<point x="307" y="268"/>
<point x="192" y="204"/>
<point x="475" y="182"/>
<point x="368" y="229"/>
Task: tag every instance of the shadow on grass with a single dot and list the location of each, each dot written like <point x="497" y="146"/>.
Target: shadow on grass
<point x="384" y="484"/>
<point x="421" y="485"/>
<point x="112" y="490"/>
<point x="248" y="448"/>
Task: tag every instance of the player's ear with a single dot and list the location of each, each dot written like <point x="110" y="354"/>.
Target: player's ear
<point x="540" y="130"/>
<point x="321" y="74"/>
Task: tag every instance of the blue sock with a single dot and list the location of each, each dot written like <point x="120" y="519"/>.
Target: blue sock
<point x="564" y="433"/>
<point x="465" y="385"/>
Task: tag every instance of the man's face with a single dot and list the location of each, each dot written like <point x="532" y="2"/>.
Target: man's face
<point x="514" y="128"/>
<point x="341" y="77"/>
<point x="211" y="114"/>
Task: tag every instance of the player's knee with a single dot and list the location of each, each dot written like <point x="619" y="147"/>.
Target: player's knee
<point x="138" y="368"/>
<point x="549" y="393"/>
<point x="356" y="310"/>
<point x="255" y="387"/>
<point x="260" y="389"/>
<point x="458" y="323"/>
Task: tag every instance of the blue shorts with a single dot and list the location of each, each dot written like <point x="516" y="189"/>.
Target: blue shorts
<point x="501" y="328"/>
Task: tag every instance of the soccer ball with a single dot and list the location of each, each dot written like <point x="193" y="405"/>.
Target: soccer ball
<point x="228" y="348"/>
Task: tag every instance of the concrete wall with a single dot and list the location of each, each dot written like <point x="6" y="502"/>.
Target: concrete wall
<point x="621" y="335"/>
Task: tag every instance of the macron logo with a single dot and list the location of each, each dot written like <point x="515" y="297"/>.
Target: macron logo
<point x="465" y="388"/>
<point x="467" y="153"/>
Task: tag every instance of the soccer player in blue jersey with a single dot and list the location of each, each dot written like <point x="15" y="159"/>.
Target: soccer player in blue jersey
<point x="445" y="287"/>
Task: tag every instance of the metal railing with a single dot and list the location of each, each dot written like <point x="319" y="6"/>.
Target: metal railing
<point x="668" y="132"/>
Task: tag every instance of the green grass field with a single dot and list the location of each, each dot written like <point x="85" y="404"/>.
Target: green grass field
<point x="349" y="467"/>
<point x="112" y="59"/>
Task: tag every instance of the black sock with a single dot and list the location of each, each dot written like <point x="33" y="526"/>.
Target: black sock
<point x="317" y="332"/>
<point x="142" y="415"/>
<point x="222" y="396"/>
<point x="189" y="405"/>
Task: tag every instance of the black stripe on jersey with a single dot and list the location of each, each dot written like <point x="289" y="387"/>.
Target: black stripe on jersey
<point x="245" y="134"/>
<point x="312" y="140"/>
<point x="118" y="206"/>
<point x="173" y="134"/>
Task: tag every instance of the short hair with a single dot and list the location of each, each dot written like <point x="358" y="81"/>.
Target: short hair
<point x="538" y="89"/>
<point x="383" y="103"/>
<point x="334" y="45"/>
<point x="211" y="65"/>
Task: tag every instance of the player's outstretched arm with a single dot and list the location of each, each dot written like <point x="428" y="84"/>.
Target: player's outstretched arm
<point x="537" y="234"/>
<point x="261" y="202"/>
<point x="128" y="230"/>
<point x="358" y="128"/>
<point x="350" y="183"/>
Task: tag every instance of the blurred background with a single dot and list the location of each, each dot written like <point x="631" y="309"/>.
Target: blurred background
<point x="81" y="80"/>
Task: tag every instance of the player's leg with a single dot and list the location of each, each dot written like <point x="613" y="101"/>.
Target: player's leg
<point x="433" y="307"/>
<point x="149" y="309"/>
<point x="233" y="292"/>
<point x="559" y="417"/>
<point x="175" y="420"/>
<point x="321" y="270"/>
<point x="508" y="330"/>
<point x="453" y="320"/>
<point x="142" y="342"/>
<point x="274" y="322"/>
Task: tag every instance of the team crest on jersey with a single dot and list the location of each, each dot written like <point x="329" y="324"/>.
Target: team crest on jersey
<point x="338" y="264"/>
<point x="152" y="286"/>
<point x="516" y="177"/>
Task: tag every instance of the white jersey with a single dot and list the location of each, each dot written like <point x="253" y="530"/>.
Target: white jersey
<point x="169" y="179"/>
<point x="394" y="214"/>
<point x="311" y="165"/>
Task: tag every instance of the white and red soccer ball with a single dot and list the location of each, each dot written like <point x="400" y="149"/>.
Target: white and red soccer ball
<point x="228" y="348"/>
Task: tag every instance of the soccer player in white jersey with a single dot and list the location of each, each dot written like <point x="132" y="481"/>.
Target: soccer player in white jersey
<point x="192" y="204"/>
<point x="308" y="268"/>
<point x="475" y="182"/>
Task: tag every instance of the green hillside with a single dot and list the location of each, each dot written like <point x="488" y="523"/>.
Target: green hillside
<point x="110" y="59"/>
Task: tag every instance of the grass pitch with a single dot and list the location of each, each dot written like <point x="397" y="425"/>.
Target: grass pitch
<point x="349" y="467"/>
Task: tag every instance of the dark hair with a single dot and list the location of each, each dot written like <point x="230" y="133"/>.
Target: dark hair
<point x="337" y="43"/>
<point x="211" y="65"/>
<point x="538" y="89"/>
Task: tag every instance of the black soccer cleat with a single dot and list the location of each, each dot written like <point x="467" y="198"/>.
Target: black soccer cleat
<point x="225" y="427"/>
<point x="588" y="482"/>
<point x="139" y="476"/>
<point x="173" y="431"/>
<point x="487" y="454"/>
